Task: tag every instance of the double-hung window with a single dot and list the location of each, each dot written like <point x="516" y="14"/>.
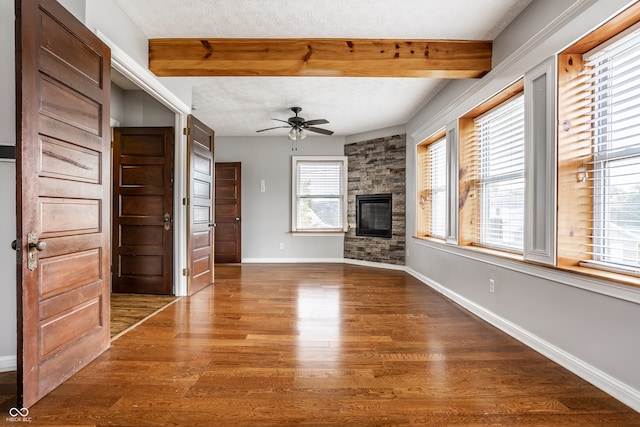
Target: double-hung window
<point x="432" y="186"/>
<point x="319" y="194"/>
<point x="500" y="138"/>
<point x="614" y="170"/>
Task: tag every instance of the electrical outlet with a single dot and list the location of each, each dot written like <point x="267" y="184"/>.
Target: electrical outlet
<point x="263" y="188"/>
<point x="281" y="245"/>
<point x="492" y="286"/>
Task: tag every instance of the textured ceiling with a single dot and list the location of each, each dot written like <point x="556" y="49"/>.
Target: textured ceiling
<point x="236" y="106"/>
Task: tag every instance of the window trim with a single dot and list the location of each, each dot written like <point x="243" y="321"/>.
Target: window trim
<point x="343" y="196"/>
<point x="540" y="177"/>
<point x="422" y="228"/>
<point x="469" y="180"/>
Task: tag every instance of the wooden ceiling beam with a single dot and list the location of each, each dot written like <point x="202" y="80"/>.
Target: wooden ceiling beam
<point x="320" y="57"/>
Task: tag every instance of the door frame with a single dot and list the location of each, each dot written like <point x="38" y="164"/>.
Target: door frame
<point x="127" y="66"/>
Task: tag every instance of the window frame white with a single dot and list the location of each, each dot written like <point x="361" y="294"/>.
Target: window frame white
<point x="541" y="175"/>
<point x="342" y="160"/>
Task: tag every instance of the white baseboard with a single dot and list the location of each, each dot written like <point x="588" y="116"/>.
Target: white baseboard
<point x="291" y="260"/>
<point x="610" y="385"/>
<point x="322" y="261"/>
<point x="8" y="363"/>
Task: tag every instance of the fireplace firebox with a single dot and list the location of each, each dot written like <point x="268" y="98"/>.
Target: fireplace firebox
<point x="373" y="215"/>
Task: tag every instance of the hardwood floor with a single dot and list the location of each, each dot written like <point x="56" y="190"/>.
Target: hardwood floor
<point x="334" y="345"/>
<point x="128" y="310"/>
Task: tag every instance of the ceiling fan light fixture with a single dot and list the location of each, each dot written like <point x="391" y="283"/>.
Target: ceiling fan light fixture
<point x="292" y="134"/>
<point x="301" y="134"/>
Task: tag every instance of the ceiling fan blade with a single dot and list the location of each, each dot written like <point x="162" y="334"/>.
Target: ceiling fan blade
<point x="319" y="130"/>
<point x="277" y="127"/>
<point x="317" y="122"/>
<point x="283" y="121"/>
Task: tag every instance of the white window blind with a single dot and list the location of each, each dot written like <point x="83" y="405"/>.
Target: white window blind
<point x="319" y="195"/>
<point x="614" y="97"/>
<point x="438" y="183"/>
<point x="500" y="133"/>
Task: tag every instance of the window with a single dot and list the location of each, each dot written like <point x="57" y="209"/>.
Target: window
<point x="319" y="194"/>
<point x="614" y="169"/>
<point x="599" y="150"/>
<point x="432" y="187"/>
<point x="491" y="178"/>
<point x="500" y="133"/>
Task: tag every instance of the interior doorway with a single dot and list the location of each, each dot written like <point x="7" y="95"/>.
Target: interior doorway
<point x="142" y="210"/>
<point x="228" y="219"/>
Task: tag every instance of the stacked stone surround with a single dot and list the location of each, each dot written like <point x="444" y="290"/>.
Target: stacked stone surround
<point x="377" y="166"/>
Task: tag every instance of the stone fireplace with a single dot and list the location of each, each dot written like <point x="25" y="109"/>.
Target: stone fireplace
<point x="377" y="167"/>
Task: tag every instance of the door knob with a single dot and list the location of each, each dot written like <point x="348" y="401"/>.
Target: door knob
<point x="237" y="219"/>
<point x="167" y="221"/>
<point x="41" y="245"/>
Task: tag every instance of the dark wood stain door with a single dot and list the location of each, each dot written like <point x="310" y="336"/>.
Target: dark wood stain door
<point x="228" y="210"/>
<point x="143" y="210"/>
<point x="62" y="187"/>
<point x="200" y="222"/>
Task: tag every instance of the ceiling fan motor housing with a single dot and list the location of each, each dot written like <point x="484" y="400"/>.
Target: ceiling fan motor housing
<point x="296" y="121"/>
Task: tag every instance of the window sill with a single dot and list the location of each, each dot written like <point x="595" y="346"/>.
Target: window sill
<point x="621" y="278"/>
<point x="612" y="284"/>
<point x="479" y="249"/>
<point x="318" y="233"/>
<point x="430" y="239"/>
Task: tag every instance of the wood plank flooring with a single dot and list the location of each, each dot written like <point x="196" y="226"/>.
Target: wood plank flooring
<point x="127" y="310"/>
<point x="323" y="345"/>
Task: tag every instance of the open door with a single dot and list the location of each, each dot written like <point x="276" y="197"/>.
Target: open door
<point x="200" y="217"/>
<point x="143" y="210"/>
<point x="62" y="168"/>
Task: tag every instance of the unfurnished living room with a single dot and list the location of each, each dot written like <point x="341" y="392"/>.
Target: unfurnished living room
<point x="336" y="212"/>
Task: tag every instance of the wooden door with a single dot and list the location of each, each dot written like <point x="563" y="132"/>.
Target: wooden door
<point x="200" y="221"/>
<point x="62" y="187"/>
<point x="143" y="210"/>
<point x="228" y="209"/>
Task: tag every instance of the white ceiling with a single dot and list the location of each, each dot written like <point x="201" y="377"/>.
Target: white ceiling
<point x="238" y="106"/>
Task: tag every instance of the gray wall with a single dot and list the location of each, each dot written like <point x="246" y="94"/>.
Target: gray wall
<point x="136" y="108"/>
<point x="588" y="324"/>
<point x="266" y="217"/>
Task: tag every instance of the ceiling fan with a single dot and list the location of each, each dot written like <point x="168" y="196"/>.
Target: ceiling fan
<point x="299" y="126"/>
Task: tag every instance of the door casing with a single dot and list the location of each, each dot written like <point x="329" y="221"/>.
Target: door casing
<point x="129" y="68"/>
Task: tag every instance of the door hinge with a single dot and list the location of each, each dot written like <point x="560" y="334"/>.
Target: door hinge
<point x="185" y="201"/>
<point x="186" y="272"/>
<point x="186" y="131"/>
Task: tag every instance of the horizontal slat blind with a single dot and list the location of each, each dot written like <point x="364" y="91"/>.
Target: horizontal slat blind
<point x="438" y="183"/>
<point x="614" y="170"/>
<point x="500" y="134"/>
<point x="319" y="195"/>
